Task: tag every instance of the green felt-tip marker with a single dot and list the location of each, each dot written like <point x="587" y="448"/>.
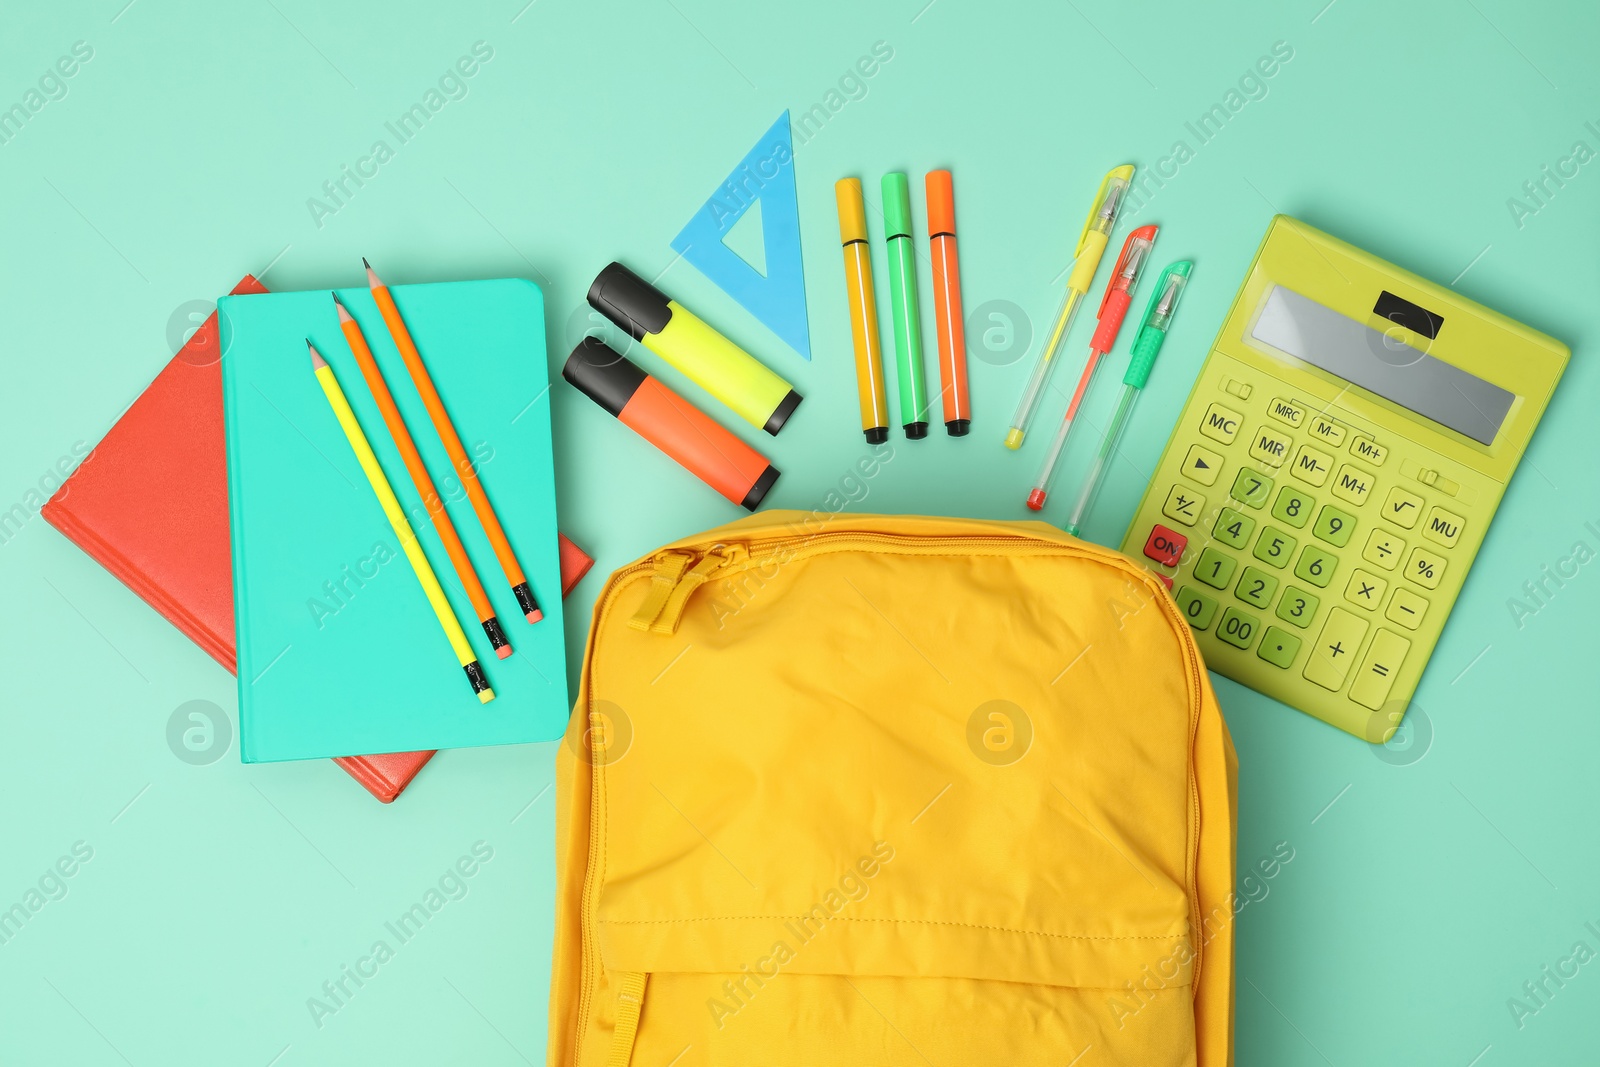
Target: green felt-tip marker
<point x="1146" y="346"/>
<point x="903" y="297"/>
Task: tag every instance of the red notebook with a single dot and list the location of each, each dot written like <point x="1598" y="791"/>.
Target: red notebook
<point x="151" y="504"/>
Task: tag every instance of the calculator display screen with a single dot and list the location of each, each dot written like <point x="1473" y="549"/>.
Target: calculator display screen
<point x="1383" y="364"/>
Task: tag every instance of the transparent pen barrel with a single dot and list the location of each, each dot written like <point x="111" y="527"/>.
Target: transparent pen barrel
<point x="1102" y="460"/>
<point x="1034" y="392"/>
<point x="1047" y="470"/>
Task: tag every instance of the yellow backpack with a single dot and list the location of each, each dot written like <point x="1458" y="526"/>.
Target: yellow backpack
<point x="884" y="790"/>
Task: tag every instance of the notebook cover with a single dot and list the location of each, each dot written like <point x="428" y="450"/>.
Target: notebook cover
<point x="165" y="450"/>
<point x="339" y="650"/>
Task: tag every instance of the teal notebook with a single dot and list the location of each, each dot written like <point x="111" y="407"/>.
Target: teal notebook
<point x="339" y="651"/>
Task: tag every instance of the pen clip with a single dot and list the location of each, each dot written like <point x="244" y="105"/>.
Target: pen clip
<point x="1143" y="233"/>
<point x="1125" y="174"/>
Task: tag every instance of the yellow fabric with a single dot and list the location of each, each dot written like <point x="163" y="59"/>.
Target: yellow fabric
<point x="894" y="790"/>
<point x="630" y="1001"/>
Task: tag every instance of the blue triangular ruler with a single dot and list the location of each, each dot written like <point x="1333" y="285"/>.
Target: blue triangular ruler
<point x="778" y="297"/>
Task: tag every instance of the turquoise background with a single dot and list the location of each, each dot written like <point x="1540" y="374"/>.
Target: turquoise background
<point x="1430" y="880"/>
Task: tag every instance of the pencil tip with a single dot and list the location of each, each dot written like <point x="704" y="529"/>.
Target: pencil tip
<point x="317" y="362"/>
<point x="365" y="264"/>
<point x="372" y="276"/>
<point x="344" y="314"/>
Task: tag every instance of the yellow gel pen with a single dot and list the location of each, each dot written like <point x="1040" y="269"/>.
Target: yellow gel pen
<point x="1086" y="260"/>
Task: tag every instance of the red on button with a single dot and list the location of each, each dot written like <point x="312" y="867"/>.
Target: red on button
<point x="1165" y="546"/>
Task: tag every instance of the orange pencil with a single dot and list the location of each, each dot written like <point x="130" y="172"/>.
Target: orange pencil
<point x="419" y="478"/>
<point x="947" y="304"/>
<point x="452" y="444"/>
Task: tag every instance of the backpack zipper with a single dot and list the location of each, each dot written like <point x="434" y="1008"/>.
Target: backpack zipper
<point x="662" y="613"/>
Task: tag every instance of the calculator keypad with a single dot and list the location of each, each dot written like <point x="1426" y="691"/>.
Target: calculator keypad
<point x="1270" y="447"/>
<point x="1298" y="607"/>
<point x="1365" y="590"/>
<point x="1274" y="546"/>
<point x="1378" y="668"/>
<point x="1293" y="507"/>
<point x="1202" y="465"/>
<point x="1335" y="650"/>
<point x="1256" y="588"/>
<point x="1165" y="546"/>
<point x="1316" y="566"/>
<point x="1183" y="505"/>
<point x="1221" y="424"/>
<point x="1443" y="527"/>
<point x="1334" y="526"/>
<point x="1311" y="465"/>
<point x="1402" y="508"/>
<point x="1352" y="484"/>
<point x="1252" y="488"/>
<point x="1233" y="528"/>
<point x="1384" y="549"/>
<point x="1299" y="554"/>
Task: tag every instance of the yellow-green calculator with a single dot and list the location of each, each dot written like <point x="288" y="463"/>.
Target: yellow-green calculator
<point x="1335" y="470"/>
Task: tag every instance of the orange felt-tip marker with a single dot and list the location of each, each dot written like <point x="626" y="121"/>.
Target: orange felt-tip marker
<point x="420" y="478"/>
<point x="863" y="310"/>
<point x="452" y="445"/>
<point x="957" y="402"/>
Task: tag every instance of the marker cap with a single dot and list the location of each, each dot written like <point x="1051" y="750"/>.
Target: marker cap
<point x="629" y="301"/>
<point x="852" y="211"/>
<point x="603" y="375"/>
<point x="941" y="203"/>
<point x="896" y="206"/>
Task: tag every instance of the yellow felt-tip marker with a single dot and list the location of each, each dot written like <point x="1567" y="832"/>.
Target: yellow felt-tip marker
<point x="870" y="386"/>
<point x="402" y="529"/>
<point x="678" y="336"/>
<point x="1086" y="260"/>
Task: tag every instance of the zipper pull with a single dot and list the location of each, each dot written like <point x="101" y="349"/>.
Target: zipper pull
<point x="718" y="558"/>
<point x="669" y="568"/>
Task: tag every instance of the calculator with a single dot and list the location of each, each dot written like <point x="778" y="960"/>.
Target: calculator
<point x="1334" y="471"/>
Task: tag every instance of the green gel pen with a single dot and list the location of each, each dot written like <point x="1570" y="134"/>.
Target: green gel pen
<point x="903" y="298"/>
<point x="1146" y="346"/>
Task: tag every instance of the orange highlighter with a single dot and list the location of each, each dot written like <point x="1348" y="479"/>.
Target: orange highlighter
<point x="863" y="311"/>
<point x="947" y="304"/>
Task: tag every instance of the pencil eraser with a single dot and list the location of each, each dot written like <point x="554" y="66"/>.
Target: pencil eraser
<point x="1036" y="500"/>
<point x="503" y="651"/>
<point x="535" y="615"/>
<point x="485" y="696"/>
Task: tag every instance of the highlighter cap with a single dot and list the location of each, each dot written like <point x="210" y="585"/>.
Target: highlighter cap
<point x="629" y="301"/>
<point x="941" y="204"/>
<point x="852" y="211"/>
<point x="896" y="206"/>
<point x="603" y="374"/>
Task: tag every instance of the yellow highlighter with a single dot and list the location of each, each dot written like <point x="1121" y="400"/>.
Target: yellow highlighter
<point x="678" y="336"/>
<point x="863" y="310"/>
<point x="1086" y="260"/>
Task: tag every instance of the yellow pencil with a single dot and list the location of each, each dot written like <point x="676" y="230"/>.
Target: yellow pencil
<point x="402" y="528"/>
